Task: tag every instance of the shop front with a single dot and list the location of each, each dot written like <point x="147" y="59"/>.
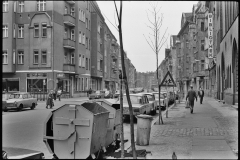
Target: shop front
<point x="10" y="84"/>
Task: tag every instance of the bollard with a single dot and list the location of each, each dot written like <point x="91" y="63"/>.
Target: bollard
<point x="143" y="129"/>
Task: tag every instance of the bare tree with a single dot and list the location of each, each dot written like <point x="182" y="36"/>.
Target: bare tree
<point x="155" y="41"/>
<point x="119" y="17"/>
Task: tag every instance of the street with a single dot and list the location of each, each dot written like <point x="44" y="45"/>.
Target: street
<point x="25" y="129"/>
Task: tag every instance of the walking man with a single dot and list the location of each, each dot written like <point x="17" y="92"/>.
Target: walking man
<point x="49" y="101"/>
<point x="59" y="93"/>
<point x="190" y="96"/>
<point x="201" y="94"/>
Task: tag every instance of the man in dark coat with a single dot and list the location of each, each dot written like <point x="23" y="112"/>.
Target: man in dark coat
<point x="201" y="94"/>
<point x="190" y="96"/>
<point x="50" y="100"/>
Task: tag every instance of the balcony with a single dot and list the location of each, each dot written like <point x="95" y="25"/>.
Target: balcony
<point x="68" y="43"/>
<point x="70" y="2"/>
<point x="69" y="67"/>
<point x="69" y="20"/>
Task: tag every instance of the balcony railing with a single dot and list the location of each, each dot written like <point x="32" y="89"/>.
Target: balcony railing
<point x="68" y="43"/>
<point x="69" y="67"/>
<point x="69" y="20"/>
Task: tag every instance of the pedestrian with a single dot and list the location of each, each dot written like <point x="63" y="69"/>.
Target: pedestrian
<point x="201" y="94"/>
<point x="50" y="100"/>
<point x="190" y="96"/>
<point x="89" y="91"/>
<point x="59" y="93"/>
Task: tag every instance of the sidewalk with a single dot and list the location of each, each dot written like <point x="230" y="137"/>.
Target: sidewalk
<point x="67" y="100"/>
<point x="211" y="132"/>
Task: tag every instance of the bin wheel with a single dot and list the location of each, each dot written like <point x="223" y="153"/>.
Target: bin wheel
<point x="20" y="107"/>
<point x="33" y="106"/>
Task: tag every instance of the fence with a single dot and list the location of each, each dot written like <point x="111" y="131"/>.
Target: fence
<point x="42" y="95"/>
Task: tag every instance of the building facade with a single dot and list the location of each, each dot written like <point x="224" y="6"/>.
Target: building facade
<point x="56" y="44"/>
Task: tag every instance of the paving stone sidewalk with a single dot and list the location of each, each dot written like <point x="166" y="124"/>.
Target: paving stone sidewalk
<point x="211" y="132"/>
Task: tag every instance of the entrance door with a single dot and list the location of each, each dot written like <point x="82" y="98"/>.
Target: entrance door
<point x="235" y="70"/>
<point x="223" y="76"/>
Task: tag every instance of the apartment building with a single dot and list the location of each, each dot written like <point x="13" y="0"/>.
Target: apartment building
<point x="226" y="26"/>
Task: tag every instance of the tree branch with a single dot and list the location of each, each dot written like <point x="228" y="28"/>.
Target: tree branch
<point x="149" y="43"/>
<point x="117" y="12"/>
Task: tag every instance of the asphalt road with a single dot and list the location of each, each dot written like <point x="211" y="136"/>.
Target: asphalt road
<point x="24" y="129"/>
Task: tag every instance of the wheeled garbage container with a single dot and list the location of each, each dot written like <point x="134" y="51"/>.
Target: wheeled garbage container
<point x="76" y="131"/>
<point x="143" y="129"/>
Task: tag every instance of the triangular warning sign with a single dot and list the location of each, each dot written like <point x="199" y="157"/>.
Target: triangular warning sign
<point x="168" y="80"/>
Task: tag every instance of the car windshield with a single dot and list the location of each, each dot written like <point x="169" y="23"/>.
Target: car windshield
<point x="150" y="98"/>
<point x="5" y="96"/>
<point x="134" y="99"/>
<point x="15" y="96"/>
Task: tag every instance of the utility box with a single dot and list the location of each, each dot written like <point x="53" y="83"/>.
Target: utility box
<point x="143" y="129"/>
<point x="75" y="131"/>
<point x="113" y="130"/>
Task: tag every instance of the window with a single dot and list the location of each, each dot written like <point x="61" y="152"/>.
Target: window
<point x="202" y="65"/>
<point x="65" y="33"/>
<point x="14" y="30"/>
<point x="187" y="44"/>
<point x="44" y="57"/>
<point x="86" y="84"/>
<point x="202" y="45"/>
<point x="65" y="58"/>
<point x="98" y="28"/>
<point x="4" y="57"/>
<point x="21" y="6"/>
<point x="83" y="17"/>
<point x="35" y="57"/>
<point x="79" y="13"/>
<point x="89" y="46"/>
<point x="36" y="30"/>
<point x="72" y="58"/>
<point x="5" y="31"/>
<point x="44" y="29"/>
<point x="5" y="6"/>
<point x="83" y="61"/>
<point x="80" y="60"/>
<point x="101" y="65"/>
<point x="72" y="12"/>
<point x="72" y="35"/>
<point x="65" y="10"/>
<point x="86" y="42"/>
<point x="80" y="37"/>
<point x="87" y="23"/>
<point x="20" y="31"/>
<point x="83" y="39"/>
<point x="202" y="26"/>
<point x="89" y="66"/>
<point x="86" y="65"/>
<point x="41" y="5"/>
<point x="20" y="57"/>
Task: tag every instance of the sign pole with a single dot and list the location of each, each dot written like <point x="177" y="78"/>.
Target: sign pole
<point x="167" y="103"/>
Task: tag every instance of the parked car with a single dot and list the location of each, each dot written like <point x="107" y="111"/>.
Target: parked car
<point x="108" y="94"/>
<point x="117" y="94"/>
<point x="97" y="94"/>
<point x="152" y="100"/>
<point x="20" y="100"/>
<point x="139" y="102"/>
<point x="20" y="153"/>
<point x="162" y="100"/>
<point x="5" y="97"/>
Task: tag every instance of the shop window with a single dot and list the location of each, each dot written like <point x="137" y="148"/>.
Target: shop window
<point x="10" y="84"/>
<point x="36" y="85"/>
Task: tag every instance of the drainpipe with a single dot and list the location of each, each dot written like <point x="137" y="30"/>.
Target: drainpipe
<point x="52" y="45"/>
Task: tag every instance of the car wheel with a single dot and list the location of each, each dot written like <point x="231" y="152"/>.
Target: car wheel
<point x="33" y="106"/>
<point x="20" y="107"/>
<point x="5" y="109"/>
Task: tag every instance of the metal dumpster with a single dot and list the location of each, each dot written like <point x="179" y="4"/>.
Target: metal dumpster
<point x="113" y="130"/>
<point x="76" y="131"/>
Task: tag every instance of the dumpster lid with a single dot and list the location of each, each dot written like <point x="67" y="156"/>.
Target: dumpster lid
<point x="144" y="116"/>
<point x="94" y="107"/>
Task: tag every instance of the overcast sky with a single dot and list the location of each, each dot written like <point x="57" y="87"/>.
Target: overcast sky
<point x="134" y="25"/>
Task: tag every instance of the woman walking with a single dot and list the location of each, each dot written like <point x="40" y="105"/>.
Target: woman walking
<point x="50" y="100"/>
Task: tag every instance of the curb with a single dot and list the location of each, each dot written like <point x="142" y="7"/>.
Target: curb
<point x="129" y="146"/>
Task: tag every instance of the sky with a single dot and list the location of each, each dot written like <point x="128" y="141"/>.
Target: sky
<point x="134" y="27"/>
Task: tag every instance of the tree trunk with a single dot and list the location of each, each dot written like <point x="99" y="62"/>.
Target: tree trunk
<point x="126" y="85"/>
<point x="121" y="120"/>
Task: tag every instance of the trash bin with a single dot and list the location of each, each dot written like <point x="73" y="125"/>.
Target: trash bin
<point x="143" y="129"/>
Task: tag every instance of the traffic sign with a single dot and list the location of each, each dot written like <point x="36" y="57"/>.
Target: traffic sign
<point x="168" y="81"/>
